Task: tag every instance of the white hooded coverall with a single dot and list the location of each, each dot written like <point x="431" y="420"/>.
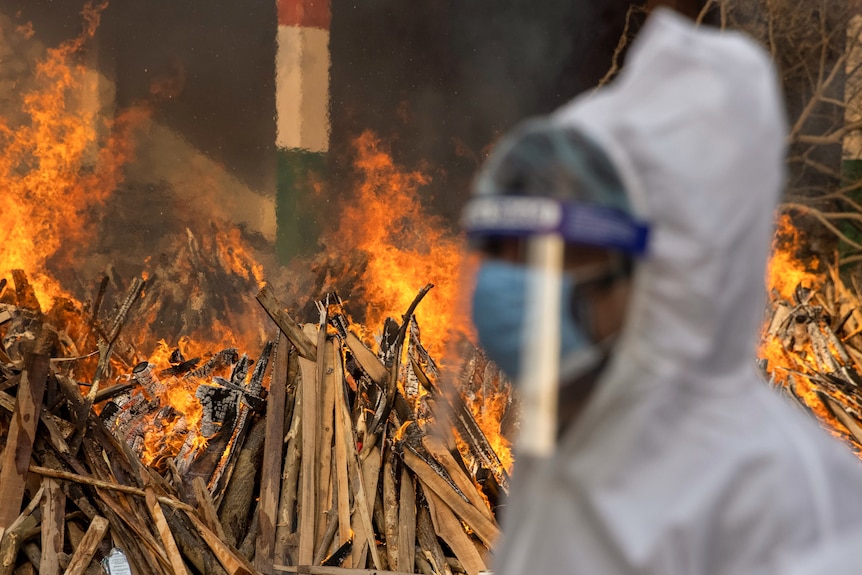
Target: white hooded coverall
<point x="683" y="462"/>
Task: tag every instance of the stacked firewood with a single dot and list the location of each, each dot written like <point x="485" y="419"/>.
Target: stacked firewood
<point x="812" y="352"/>
<point x="318" y="456"/>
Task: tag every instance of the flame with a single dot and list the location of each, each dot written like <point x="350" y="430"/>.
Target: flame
<point x="55" y="165"/>
<point x="166" y="438"/>
<point x="406" y="247"/>
<point x="785" y="270"/>
<point x="62" y="158"/>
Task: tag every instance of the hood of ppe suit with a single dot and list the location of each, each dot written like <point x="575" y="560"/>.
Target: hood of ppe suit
<point x="694" y="126"/>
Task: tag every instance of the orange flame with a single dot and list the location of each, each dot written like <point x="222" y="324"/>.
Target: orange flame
<point x="406" y="247"/>
<point x="56" y="165"/>
<point x="785" y="270"/>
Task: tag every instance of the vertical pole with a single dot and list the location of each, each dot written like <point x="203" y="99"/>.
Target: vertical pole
<point x="302" y="131"/>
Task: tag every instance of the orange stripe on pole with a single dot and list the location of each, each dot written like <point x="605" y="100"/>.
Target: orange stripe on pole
<point x="305" y="13"/>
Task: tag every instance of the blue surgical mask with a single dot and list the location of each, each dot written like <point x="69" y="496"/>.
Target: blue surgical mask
<point x="500" y="314"/>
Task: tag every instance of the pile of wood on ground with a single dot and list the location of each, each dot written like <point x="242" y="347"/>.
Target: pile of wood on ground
<point x="320" y="456"/>
<point x="812" y="352"/>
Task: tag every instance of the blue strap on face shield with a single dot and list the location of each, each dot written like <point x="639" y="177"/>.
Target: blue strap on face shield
<point x="576" y="222"/>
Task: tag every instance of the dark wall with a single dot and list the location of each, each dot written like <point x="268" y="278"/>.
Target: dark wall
<point x="441" y="81"/>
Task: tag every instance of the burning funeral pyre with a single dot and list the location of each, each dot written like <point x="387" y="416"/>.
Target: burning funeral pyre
<point x="230" y="449"/>
<point x="318" y="451"/>
<point x="811" y="349"/>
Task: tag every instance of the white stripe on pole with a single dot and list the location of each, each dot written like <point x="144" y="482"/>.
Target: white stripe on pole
<point x="302" y="88"/>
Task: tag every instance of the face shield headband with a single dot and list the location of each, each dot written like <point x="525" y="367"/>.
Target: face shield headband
<point x="574" y="222"/>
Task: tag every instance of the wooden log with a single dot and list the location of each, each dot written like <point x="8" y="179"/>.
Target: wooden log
<point x="53" y="521"/>
<point x="270" y="474"/>
<point x="14" y="538"/>
<point x="249" y="542"/>
<point x="231" y="561"/>
<point x="406" y="523"/>
<point x="308" y="488"/>
<point x="356" y="480"/>
<point x="449" y="528"/>
<point x="438" y="450"/>
<point x="106" y="346"/>
<point x="235" y="510"/>
<point x="427" y="537"/>
<point x="370" y="469"/>
<point x="164" y="531"/>
<point x="84" y="553"/>
<point x="422" y="563"/>
<point x="340" y="465"/>
<point x="22" y="431"/>
<point x="485" y="529"/>
<point x="390" y="510"/>
<point x="286" y="324"/>
<point x="194" y="547"/>
<point x="367" y="359"/>
<point x="329" y="378"/>
<point x="284" y="532"/>
<point x="328" y="535"/>
<point x="205" y="506"/>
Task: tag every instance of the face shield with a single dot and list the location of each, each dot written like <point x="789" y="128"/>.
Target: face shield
<point x="546" y="189"/>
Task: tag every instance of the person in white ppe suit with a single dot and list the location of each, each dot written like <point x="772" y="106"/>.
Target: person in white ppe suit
<point x="671" y="456"/>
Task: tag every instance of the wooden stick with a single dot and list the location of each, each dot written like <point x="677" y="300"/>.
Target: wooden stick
<point x="106" y="347"/>
<point x="357" y="482"/>
<point x="272" y="451"/>
<point x="11" y="538"/>
<point x="286" y="324"/>
<point x="390" y="510"/>
<point x="427" y="537"/>
<point x="206" y="507"/>
<point x="165" y="534"/>
<point x="448" y="528"/>
<point x="406" y="522"/>
<point x="231" y="561"/>
<point x="437" y="449"/>
<point x="53" y="523"/>
<point x="367" y="359"/>
<point x="307" y="491"/>
<point x="486" y="530"/>
<point x="328" y="379"/>
<point x="289" y="484"/>
<point x="370" y="475"/>
<point x="342" y="484"/>
<point x="84" y="553"/>
<point x="67" y="476"/>
<point x="22" y="432"/>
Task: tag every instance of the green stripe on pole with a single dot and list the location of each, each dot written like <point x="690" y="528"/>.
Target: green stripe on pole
<point x="299" y="212"/>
